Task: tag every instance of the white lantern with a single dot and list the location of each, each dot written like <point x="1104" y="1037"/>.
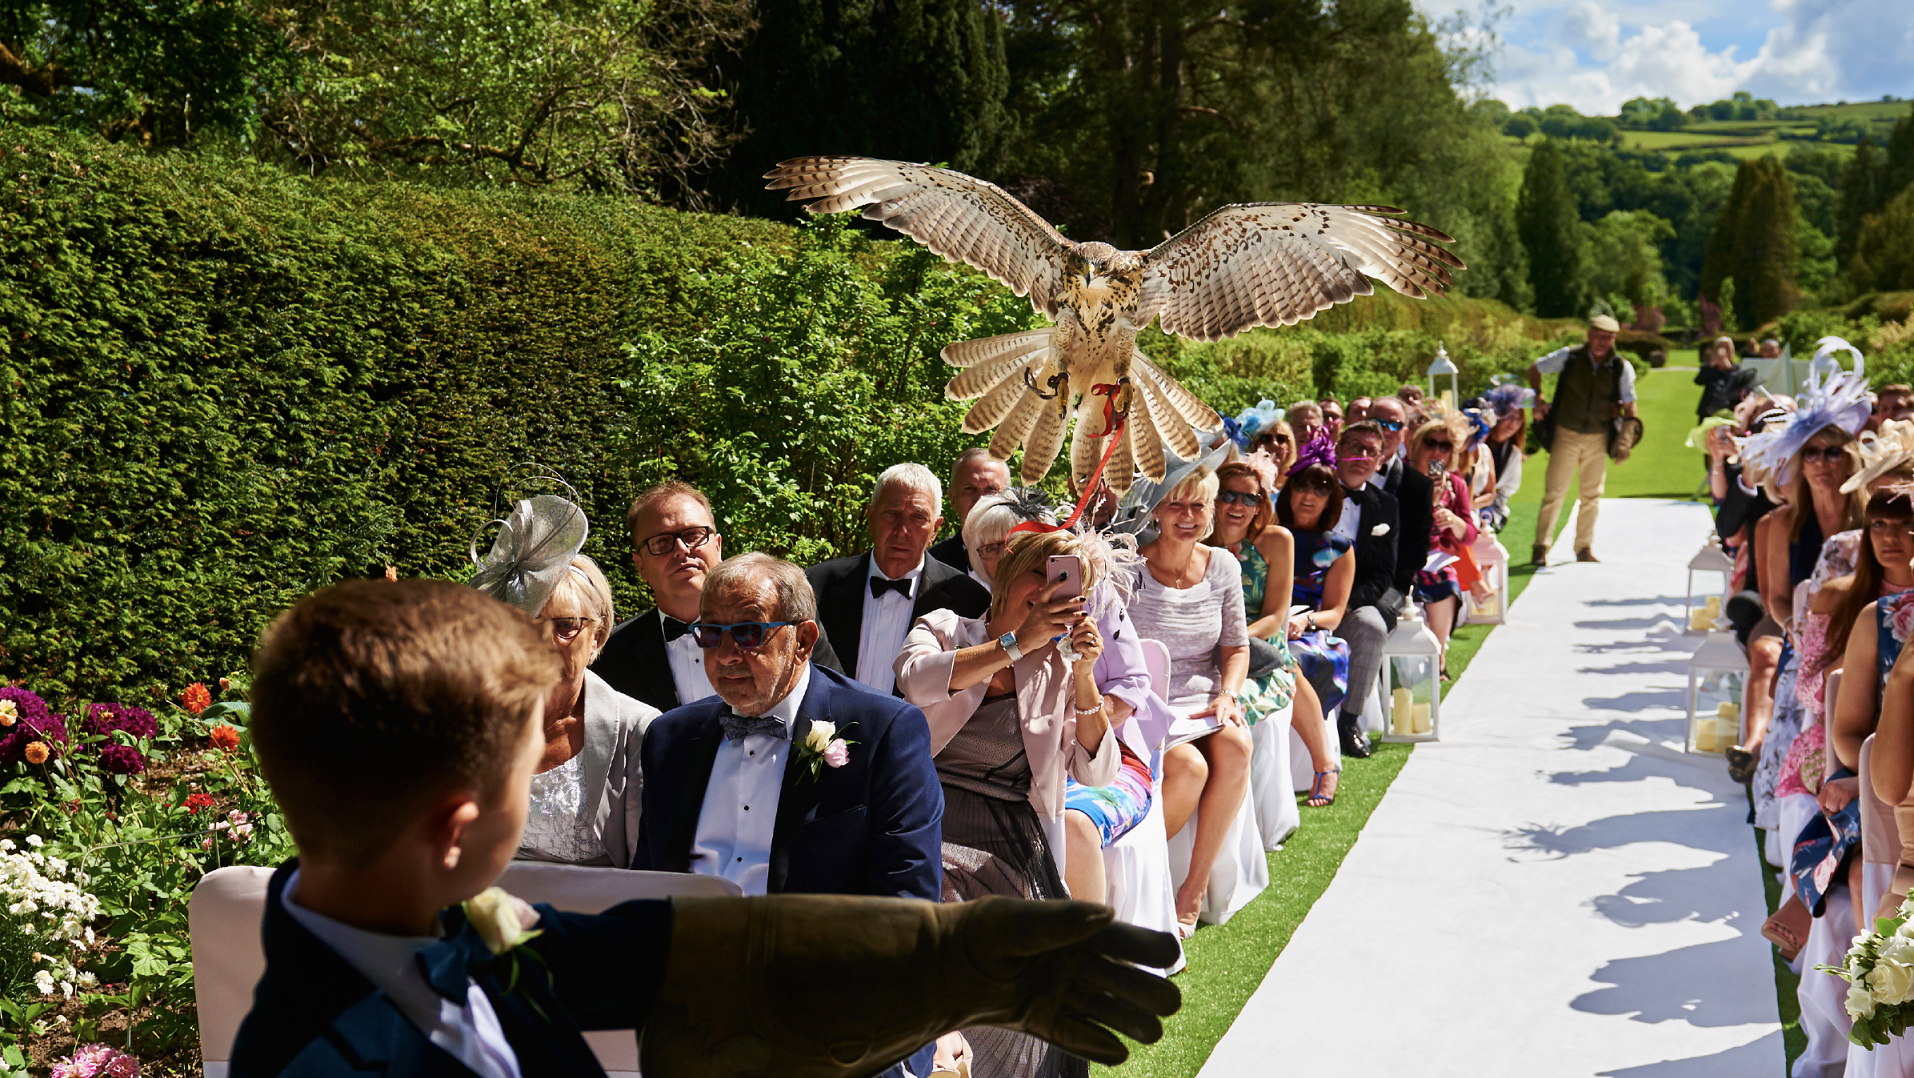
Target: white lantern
<point x="1716" y="675"/>
<point x="1411" y="683"/>
<point x="1493" y="559"/>
<point x="1443" y="366"/>
<point x="1702" y="616"/>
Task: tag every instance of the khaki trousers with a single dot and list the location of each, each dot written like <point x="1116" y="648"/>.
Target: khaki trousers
<point x="1574" y="451"/>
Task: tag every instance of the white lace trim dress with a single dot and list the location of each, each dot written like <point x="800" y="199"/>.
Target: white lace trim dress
<point x="559" y="825"/>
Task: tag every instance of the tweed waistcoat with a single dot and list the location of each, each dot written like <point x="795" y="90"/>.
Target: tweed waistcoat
<point x="1585" y="395"/>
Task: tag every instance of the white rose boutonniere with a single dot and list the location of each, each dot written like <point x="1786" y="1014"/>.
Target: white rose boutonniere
<point x="822" y="748"/>
<point x="1379" y="530"/>
<point x="504" y="922"/>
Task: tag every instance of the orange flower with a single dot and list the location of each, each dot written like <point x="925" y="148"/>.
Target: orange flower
<point x="37" y="753"/>
<point x="224" y="737"/>
<point x="195" y="698"/>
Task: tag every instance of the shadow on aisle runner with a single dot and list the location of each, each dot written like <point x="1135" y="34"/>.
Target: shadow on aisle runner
<point x="1555" y="888"/>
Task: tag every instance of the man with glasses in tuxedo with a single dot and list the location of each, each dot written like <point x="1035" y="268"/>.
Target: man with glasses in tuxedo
<point x="738" y="786"/>
<point x="1369" y="521"/>
<point x="675" y="543"/>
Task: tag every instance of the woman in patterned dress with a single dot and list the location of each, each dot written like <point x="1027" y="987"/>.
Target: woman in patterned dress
<point x="1243" y="528"/>
<point x="1324" y="569"/>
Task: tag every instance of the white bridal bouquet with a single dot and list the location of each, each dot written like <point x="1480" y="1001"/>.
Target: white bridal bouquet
<point x="1880" y="975"/>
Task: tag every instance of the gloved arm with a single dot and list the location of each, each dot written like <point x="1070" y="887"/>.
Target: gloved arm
<point x="829" y="986"/>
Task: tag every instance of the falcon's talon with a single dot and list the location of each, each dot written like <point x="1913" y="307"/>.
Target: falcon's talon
<point x="1032" y="383"/>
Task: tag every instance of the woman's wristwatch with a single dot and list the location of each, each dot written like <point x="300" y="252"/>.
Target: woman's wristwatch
<point x="1008" y="642"/>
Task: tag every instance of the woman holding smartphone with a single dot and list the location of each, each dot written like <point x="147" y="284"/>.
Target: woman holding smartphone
<point x="1014" y="706"/>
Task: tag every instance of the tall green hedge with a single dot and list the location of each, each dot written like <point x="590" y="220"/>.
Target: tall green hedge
<point x="222" y="386"/>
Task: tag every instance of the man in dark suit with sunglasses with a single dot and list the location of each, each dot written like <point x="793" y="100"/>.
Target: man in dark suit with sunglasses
<point x="1414" y="494"/>
<point x="752" y="786"/>
<point x="675" y="542"/>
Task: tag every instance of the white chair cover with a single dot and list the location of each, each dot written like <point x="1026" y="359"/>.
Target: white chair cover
<point x="1302" y="775"/>
<point x="1241" y="870"/>
<point x="1896" y="1057"/>
<point x="228" y="957"/>
<point x="1272" y="779"/>
<point x="1136" y="871"/>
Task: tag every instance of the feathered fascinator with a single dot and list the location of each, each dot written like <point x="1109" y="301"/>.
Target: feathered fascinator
<point x="1264" y="466"/>
<point x="1318" y="450"/>
<point x="1892" y="447"/>
<point x="1836" y="399"/>
<point x="534" y="550"/>
<point x="1251" y="422"/>
<point x="1111" y="560"/>
<point x="1479" y="427"/>
<point x="1505" y="399"/>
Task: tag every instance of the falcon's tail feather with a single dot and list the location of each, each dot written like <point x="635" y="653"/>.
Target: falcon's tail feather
<point x="1085" y="450"/>
<point x="1146" y="442"/>
<point x="1016" y="427"/>
<point x="1046" y="438"/>
<point x="972" y="352"/>
<point x="996" y="404"/>
<point x="1120" y="473"/>
<point x="1181" y="401"/>
<point x="1170" y="427"/>
<point x="987" y="376"/>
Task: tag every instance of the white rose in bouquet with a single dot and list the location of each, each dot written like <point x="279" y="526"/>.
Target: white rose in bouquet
<point x="1859" y="1003"/>
<point x="1889" y="982"/>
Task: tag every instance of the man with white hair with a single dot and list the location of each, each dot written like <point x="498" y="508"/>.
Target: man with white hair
<point x="867" y="602"/>
<point x="976" y="475"/>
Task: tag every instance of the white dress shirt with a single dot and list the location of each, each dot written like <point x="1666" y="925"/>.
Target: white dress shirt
<point x="880" y="639"/>
<point x="1556" y="360"/>
<point x="471" y="1034"/>
<point x="687" y="667"/>
<point x="1349" y="524"/>
<point x="740" y="811"/>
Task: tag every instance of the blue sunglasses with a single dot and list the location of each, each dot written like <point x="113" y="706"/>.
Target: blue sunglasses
<point x="746" y="634"/>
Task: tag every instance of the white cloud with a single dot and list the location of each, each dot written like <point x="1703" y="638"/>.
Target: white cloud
<point x="1815" y="50"/>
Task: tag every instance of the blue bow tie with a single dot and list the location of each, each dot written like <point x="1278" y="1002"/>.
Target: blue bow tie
<point x="879" y="586"/>
<point x="448" y="964"/>
<point x="738" y="727"/>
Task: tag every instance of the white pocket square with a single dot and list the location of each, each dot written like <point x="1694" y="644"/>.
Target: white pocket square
<point x="1380" y="529"/>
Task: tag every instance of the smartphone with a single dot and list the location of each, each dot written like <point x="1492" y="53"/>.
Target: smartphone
<point x="1063" y="569"/>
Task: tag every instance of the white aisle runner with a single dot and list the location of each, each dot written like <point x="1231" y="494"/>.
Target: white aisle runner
<point x="1555" y="888"/>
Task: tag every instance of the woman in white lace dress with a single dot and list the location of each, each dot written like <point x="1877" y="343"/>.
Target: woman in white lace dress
<point x="586" y="793"/>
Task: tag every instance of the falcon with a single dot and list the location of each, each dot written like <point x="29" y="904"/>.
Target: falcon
<point x="1245" y="265"/>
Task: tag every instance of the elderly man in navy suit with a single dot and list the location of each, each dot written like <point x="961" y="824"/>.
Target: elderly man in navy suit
<point x="742" y="788"/>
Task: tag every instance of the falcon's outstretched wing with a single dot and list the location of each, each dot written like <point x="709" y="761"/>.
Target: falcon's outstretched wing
<point x="1278" y="263"/>
<point x="960" y="217"/>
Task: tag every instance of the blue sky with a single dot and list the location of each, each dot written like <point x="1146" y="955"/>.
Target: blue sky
<point x="1595" y="54"/>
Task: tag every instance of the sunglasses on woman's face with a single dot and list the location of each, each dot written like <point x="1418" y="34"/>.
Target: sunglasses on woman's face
<point x="745" y="634"/>
<point x="1827" y="454"/>
<point x="1237" y="497"/>
<point x="1440" y="447"/>
<point x="1312" y="486"/>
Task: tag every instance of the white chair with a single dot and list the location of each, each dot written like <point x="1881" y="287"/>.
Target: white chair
<point x="1272" y="777"/>
<point x="228" y="959"/>
<point x="1136" y="867"/>
<point x="1302" y="773"/>
<point x="1241" y="871"/>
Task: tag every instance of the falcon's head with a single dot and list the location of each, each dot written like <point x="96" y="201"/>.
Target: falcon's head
<point x="1097" y="273"/>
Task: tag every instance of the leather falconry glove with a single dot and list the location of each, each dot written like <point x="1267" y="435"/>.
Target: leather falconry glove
<point x="829" y="986"/>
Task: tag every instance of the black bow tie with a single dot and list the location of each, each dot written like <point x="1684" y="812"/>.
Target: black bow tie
<point x="673" y="627"/>
<point x="879" y="586"/>
<point x="738" y="727"/>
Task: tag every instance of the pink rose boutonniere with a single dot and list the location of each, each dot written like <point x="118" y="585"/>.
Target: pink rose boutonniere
<point x="822" y="748"/>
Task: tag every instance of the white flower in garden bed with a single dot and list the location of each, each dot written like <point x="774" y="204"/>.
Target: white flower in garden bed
<point x="56" y="911"/>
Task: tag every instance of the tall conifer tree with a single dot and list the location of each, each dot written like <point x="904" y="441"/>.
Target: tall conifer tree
<point x="1545" y="215"/>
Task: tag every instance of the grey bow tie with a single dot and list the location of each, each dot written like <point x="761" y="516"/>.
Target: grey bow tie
<point x="738" y="727"/>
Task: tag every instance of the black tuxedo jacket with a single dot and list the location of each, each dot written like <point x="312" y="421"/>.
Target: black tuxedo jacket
<point x="1375" y="583"/>
<point x="633" y="660"/>
<point x="314" y="1014"/>
<point x="1415" y="517"/>
<point x="953" y="553"/>
<point x="841" y="591"/>
<point x="872" y="827"/>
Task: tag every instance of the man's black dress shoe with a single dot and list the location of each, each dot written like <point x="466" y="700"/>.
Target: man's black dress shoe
<point x="1355" y="743"/>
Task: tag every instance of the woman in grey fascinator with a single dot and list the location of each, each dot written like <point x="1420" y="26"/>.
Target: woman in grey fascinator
<point x="585" y="796"/>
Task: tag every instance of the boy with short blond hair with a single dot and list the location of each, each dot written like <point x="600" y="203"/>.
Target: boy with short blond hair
<point x="399" y="725"/>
